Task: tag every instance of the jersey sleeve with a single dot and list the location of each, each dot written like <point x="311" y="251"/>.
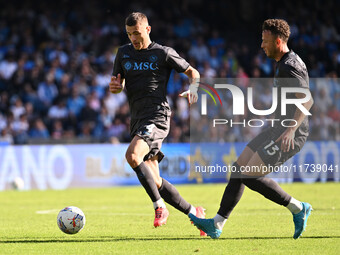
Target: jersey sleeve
<point x="117" y="65"/>
<point x="175" y="61"/>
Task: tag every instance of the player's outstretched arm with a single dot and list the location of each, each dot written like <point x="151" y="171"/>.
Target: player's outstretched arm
<point x="116" y="84"/>
<point x="194" y="78"/>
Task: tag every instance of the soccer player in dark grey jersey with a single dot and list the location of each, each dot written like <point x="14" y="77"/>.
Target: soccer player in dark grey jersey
<point x="144" y="67"/>
<point x="275" y="145"/>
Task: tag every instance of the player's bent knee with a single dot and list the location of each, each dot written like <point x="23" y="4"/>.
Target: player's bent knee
<point x="251" y="182"/>
<point x="133" y="159"/>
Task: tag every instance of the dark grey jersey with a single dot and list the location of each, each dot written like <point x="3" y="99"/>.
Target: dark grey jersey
<point x="291" y="71"/>
<point x="146" y="73"/>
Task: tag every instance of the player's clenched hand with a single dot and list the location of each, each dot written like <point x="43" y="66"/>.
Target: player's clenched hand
<point x="287" y="140"/>
<point x="191" y="94"/>
<point x="115" y="84"/>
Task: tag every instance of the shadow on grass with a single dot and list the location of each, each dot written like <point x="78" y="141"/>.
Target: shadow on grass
<point x="129" y="239"/>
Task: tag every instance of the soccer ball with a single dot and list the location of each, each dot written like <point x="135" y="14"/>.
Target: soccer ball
<point x="71" y="220"/>
<point x="18" y="183"/>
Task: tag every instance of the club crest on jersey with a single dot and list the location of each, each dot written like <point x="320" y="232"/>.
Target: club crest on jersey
<point x="127" y="65"/>
<point x="153" y="58"/>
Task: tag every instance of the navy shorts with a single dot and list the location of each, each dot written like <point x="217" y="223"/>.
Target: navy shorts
<point x="153" y="131"/>
<point x="270" y="151"/>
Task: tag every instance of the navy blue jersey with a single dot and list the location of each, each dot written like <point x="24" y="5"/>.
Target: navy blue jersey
<point x="146" y="73"/>
<point x="291" y="71"/>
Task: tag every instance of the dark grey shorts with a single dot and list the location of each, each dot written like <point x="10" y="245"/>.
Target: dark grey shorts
<point x="270" y="151"/>
<point x="153" y="130"/>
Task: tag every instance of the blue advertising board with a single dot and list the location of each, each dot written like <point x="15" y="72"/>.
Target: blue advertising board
<point x="104" y="165"/>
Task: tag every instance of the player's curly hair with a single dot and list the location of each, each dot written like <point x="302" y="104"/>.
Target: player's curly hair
<point x="278" y="27"/>
<point x="134" y="18"/>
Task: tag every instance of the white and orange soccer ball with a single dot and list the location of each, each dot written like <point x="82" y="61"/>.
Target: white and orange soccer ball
<point x="71" y="220"/>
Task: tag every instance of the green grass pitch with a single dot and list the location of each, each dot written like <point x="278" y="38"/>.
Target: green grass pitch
<point x="120" y="221"/>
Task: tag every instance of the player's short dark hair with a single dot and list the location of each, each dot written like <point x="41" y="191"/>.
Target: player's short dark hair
<point x="134" y="18"/>
<point x="278" y="27"/>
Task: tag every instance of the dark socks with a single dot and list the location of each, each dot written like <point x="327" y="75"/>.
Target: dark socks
<point x="170" y="195"/>
<point x="232" y="193"/>
<point x="268" y="188"/>
<point x="145" y="178"/>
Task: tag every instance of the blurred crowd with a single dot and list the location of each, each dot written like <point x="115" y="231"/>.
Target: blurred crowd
<point x="56" y="60"/>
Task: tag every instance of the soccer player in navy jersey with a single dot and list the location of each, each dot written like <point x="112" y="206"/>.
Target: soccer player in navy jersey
<point x="273" y="146"/>
<point x="143" y="68"/>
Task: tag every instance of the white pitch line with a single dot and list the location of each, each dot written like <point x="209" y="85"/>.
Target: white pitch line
<point x="52" y="211"/>
<point x="55" y="211"/>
